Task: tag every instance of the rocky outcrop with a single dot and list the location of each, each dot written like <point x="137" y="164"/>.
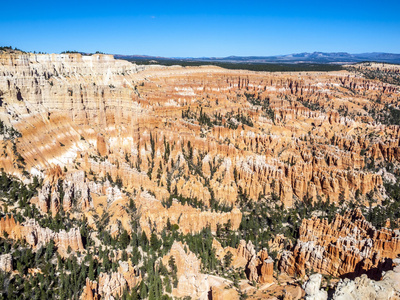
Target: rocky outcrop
<point x="365" y="288"/>
<point x="8" y="225"/>
<point x="266" y="269"/>
<point x="188" y="218"/>
<point x="37" y="236"/>
<point x="185" y="260"/>
<point x="311" y="287"/>
<point x="120" y="141"/>
<point x="76" y="189"/>
<point x="89" y="292"/>
<point x="76" y="110"/>
<point x="280" y="243"/>
<point x="112" y="285"/>
<point x="220" y="252"/>
<point x="193" y="283"/>
<point x="259" y="267"/>
<point x="6" y="262"/>
<point x="101" y="145"/>
<point x="131" y="274"/>
<point x="349" y="246"/>
<point x="221" y="293"/>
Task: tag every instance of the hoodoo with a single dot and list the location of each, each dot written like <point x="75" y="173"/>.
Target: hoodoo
<point x="152" y="182"/>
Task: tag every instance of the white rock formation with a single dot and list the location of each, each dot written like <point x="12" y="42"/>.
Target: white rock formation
<point x="311" y="287"/>
<point x="6" y="263"/>
<point x="366" y="289"/>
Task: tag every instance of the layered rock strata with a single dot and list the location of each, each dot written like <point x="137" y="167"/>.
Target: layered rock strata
<point x="347" y="247"/>
<point x="37" y="236"/>
<point x="285" y="132"/>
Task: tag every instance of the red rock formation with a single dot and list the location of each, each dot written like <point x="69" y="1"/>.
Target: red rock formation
<point x="126" y="132"/>
<point x="193" y="283"/>
<point x="130" y="274"/>
<point x="298" y="151"/>
<point x="75" y="186"/>
<point x="7" y="225"/>
<point x="88" y="291"/>
<point x="349" y="246"/>
<point x="112" y="285"/>
<point x="38" y="236"/>
<point x="259" y="267"/>
<point x="266" y="269"/>
<point x="221" y="293"/>
<point x="101" y="145"/>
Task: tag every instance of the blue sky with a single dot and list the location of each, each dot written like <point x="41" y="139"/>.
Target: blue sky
<point x="202" y="28"/>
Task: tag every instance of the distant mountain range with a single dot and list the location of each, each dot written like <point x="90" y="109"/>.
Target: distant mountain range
<point x="314" y="58"/>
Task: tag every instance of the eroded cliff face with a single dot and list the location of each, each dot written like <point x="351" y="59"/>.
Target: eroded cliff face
<point x="347" y="247"/>
<point x="259" y="267"/>
<point x="6" y="262"/>
<point x="192" y="282"/>
<point x="364" y="288"/>
<point x="281" y="133"/>
<point x="37" y="236"/>
<point x="110" y="286"/>
<point x="189" y="219"/>
<point x="125" y="147"/>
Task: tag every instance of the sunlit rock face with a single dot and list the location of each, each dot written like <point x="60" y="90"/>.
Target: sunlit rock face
<point x="364" y="288"/>
<point x="348" y="246"/>
<point x="192" y="282"/>
<point x="70" y="106"/>
<point x="37" y="236"/>
<point x="111" y="286"/>
<point x="203" y="133"/>
<point x="122" y="146"/>
<point x="6" y="262"/>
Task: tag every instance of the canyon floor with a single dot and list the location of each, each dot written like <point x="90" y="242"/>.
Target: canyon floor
<point x="121" y="181"/>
